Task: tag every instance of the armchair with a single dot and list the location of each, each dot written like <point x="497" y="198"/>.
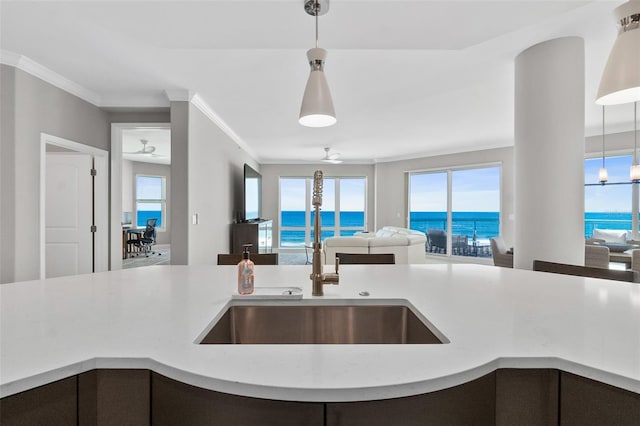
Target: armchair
<point x="499" y="252"/>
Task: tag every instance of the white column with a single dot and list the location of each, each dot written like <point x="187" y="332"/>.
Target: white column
<point x="549" y="153"/>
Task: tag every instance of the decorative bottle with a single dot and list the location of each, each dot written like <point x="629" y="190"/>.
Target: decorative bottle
<point x="245" y="272"/>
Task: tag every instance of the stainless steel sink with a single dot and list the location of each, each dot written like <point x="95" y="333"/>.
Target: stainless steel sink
<point x="321" y="324"/>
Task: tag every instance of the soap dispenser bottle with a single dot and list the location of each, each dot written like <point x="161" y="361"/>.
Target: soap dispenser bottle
<point x="245" y="272"/>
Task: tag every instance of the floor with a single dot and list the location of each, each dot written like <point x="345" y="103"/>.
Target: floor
<point x="162" y="256"/>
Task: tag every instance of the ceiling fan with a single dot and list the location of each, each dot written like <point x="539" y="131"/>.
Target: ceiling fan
<point x="146" y="150"/>
<point x="331" y="158"/>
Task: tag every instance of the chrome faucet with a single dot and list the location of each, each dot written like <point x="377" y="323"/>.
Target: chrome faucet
<point x="318" y="278"/>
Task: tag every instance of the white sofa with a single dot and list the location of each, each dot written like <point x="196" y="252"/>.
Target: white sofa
<point x="407" y="245"/>
<point x="617" y="240"/>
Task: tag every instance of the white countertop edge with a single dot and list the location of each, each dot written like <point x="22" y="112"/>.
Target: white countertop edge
<point x="320" y="395"/>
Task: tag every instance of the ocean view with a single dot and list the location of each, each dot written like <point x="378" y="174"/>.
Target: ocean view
<point x="485" y="224"/>
<point x="143" y="215"/>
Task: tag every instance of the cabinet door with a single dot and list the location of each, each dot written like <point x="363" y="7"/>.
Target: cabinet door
<point x="52" y="404"/>
<point x="471" y="403"/>
<point x="114" y="397"/>
<point x="587" y="402"/>
<point x="175" y="403"/>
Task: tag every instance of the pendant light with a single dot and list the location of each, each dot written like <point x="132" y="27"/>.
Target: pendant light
<point x="602" y="176"/>
<point x="635" y="169"/>
<point x="620" y="83"/>
<point x="317" y="106"/>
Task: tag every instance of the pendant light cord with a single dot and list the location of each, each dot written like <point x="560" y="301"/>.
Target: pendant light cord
<point x="603" y="136"/>
<point x="316" y="8"/>
<point x="635" y="133"/>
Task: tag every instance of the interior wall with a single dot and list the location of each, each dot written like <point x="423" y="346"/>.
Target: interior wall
<point x="163" y="234"/>
<point x="615" y="143"/>
<point x="216" y="165"/>
<point x="271" y="174"/>
<point x="392" y="200"/>
<point x="7" y="172"/>
<point x="35" y="107"/>
<point x="179" y="213"/>
<point x="128" y="198"/>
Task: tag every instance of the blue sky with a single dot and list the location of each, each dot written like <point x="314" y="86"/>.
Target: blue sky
<point x="473" y="190"/>
<point x="608" y="198"/>
<point x="352" y="194"/>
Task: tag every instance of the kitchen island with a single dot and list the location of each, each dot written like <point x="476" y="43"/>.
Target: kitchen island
<point x="494" y="319"/>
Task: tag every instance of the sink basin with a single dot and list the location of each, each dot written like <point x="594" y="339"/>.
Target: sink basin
<point x="379" y="322"/>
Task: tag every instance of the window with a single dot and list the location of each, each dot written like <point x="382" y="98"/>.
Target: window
<point x="459" y="210"/>
<point x="343" y="208"/>
<point x="150" y="200"/>
<point x="608" y="206"/>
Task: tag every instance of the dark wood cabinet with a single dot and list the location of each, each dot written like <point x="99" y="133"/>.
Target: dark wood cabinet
<point x="176" y="403"/>
<point x="587" y="402"/>
<point x="471" y="403"/>
<point x="527" y="397"/>
<point x="52" y="404"/>
<point x="259" y="234"/>
<point x="114" y="397"/>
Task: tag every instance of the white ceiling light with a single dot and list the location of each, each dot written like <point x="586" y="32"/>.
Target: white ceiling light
<point x="603" y="175"/>
<point x="620" y="83"/>
<point x="317" y="105"/>
<point x="331" y="158"/>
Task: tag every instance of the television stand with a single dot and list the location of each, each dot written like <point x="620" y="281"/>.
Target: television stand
<point x="258" y="233"/>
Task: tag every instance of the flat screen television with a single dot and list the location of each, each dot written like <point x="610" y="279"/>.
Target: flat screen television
<point x="252" y="203"/>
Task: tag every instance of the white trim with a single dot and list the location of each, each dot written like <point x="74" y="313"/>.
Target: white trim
<point x="200" y="103"/>
<point x="101" y="202"/>
<point x="37" y="70"/>
<point x="179" y="95"/>
<point x="183" y="95"/>
<point x="116" y="185"/>
<point x="40" y="71"/>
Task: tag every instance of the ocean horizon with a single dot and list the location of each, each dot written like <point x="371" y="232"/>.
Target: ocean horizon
<point x="485" y="224"/>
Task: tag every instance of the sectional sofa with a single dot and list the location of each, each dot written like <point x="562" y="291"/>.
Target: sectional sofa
<point x="407" y="245"/>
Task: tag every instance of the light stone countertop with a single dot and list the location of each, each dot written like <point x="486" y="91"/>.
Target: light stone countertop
<point x="150" y="318"/>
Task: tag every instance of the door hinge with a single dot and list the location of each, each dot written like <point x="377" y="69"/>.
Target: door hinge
<point x="94" y="172"/>
<point x="94" y="228"/>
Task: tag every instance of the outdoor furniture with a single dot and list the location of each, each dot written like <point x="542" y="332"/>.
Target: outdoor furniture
<point x="501" y="257"/>
<point x="596" y="256"/>
<point x="436" y="240"/>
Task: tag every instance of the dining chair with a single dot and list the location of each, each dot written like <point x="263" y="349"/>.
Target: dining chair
<point x="257" y="258"/>
<point x="366" y="258"/>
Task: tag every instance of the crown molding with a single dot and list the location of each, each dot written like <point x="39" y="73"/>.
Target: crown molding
<point x="30" y="66"/>
<point x="200" y="103"/>
<point x="180" y="95"/>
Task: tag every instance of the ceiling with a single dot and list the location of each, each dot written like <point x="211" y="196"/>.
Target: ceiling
<point x="408" y="78"/>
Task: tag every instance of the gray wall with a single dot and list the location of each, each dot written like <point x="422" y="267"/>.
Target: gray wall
<point x="206" y="170"/>
<point x="215" y="178"/>
<point x="30" y="108"/>
<point x="271" y="174"/>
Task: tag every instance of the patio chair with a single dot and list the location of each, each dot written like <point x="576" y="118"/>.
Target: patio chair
<point x="499" y="252"/>
<point x="436" y="240"/>
<point x="596" y="256"/>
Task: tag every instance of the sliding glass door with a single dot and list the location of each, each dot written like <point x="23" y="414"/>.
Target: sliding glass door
<point x="458" y="209"/>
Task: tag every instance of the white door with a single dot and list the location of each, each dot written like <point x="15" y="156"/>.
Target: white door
<point x="68" y="215"/>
